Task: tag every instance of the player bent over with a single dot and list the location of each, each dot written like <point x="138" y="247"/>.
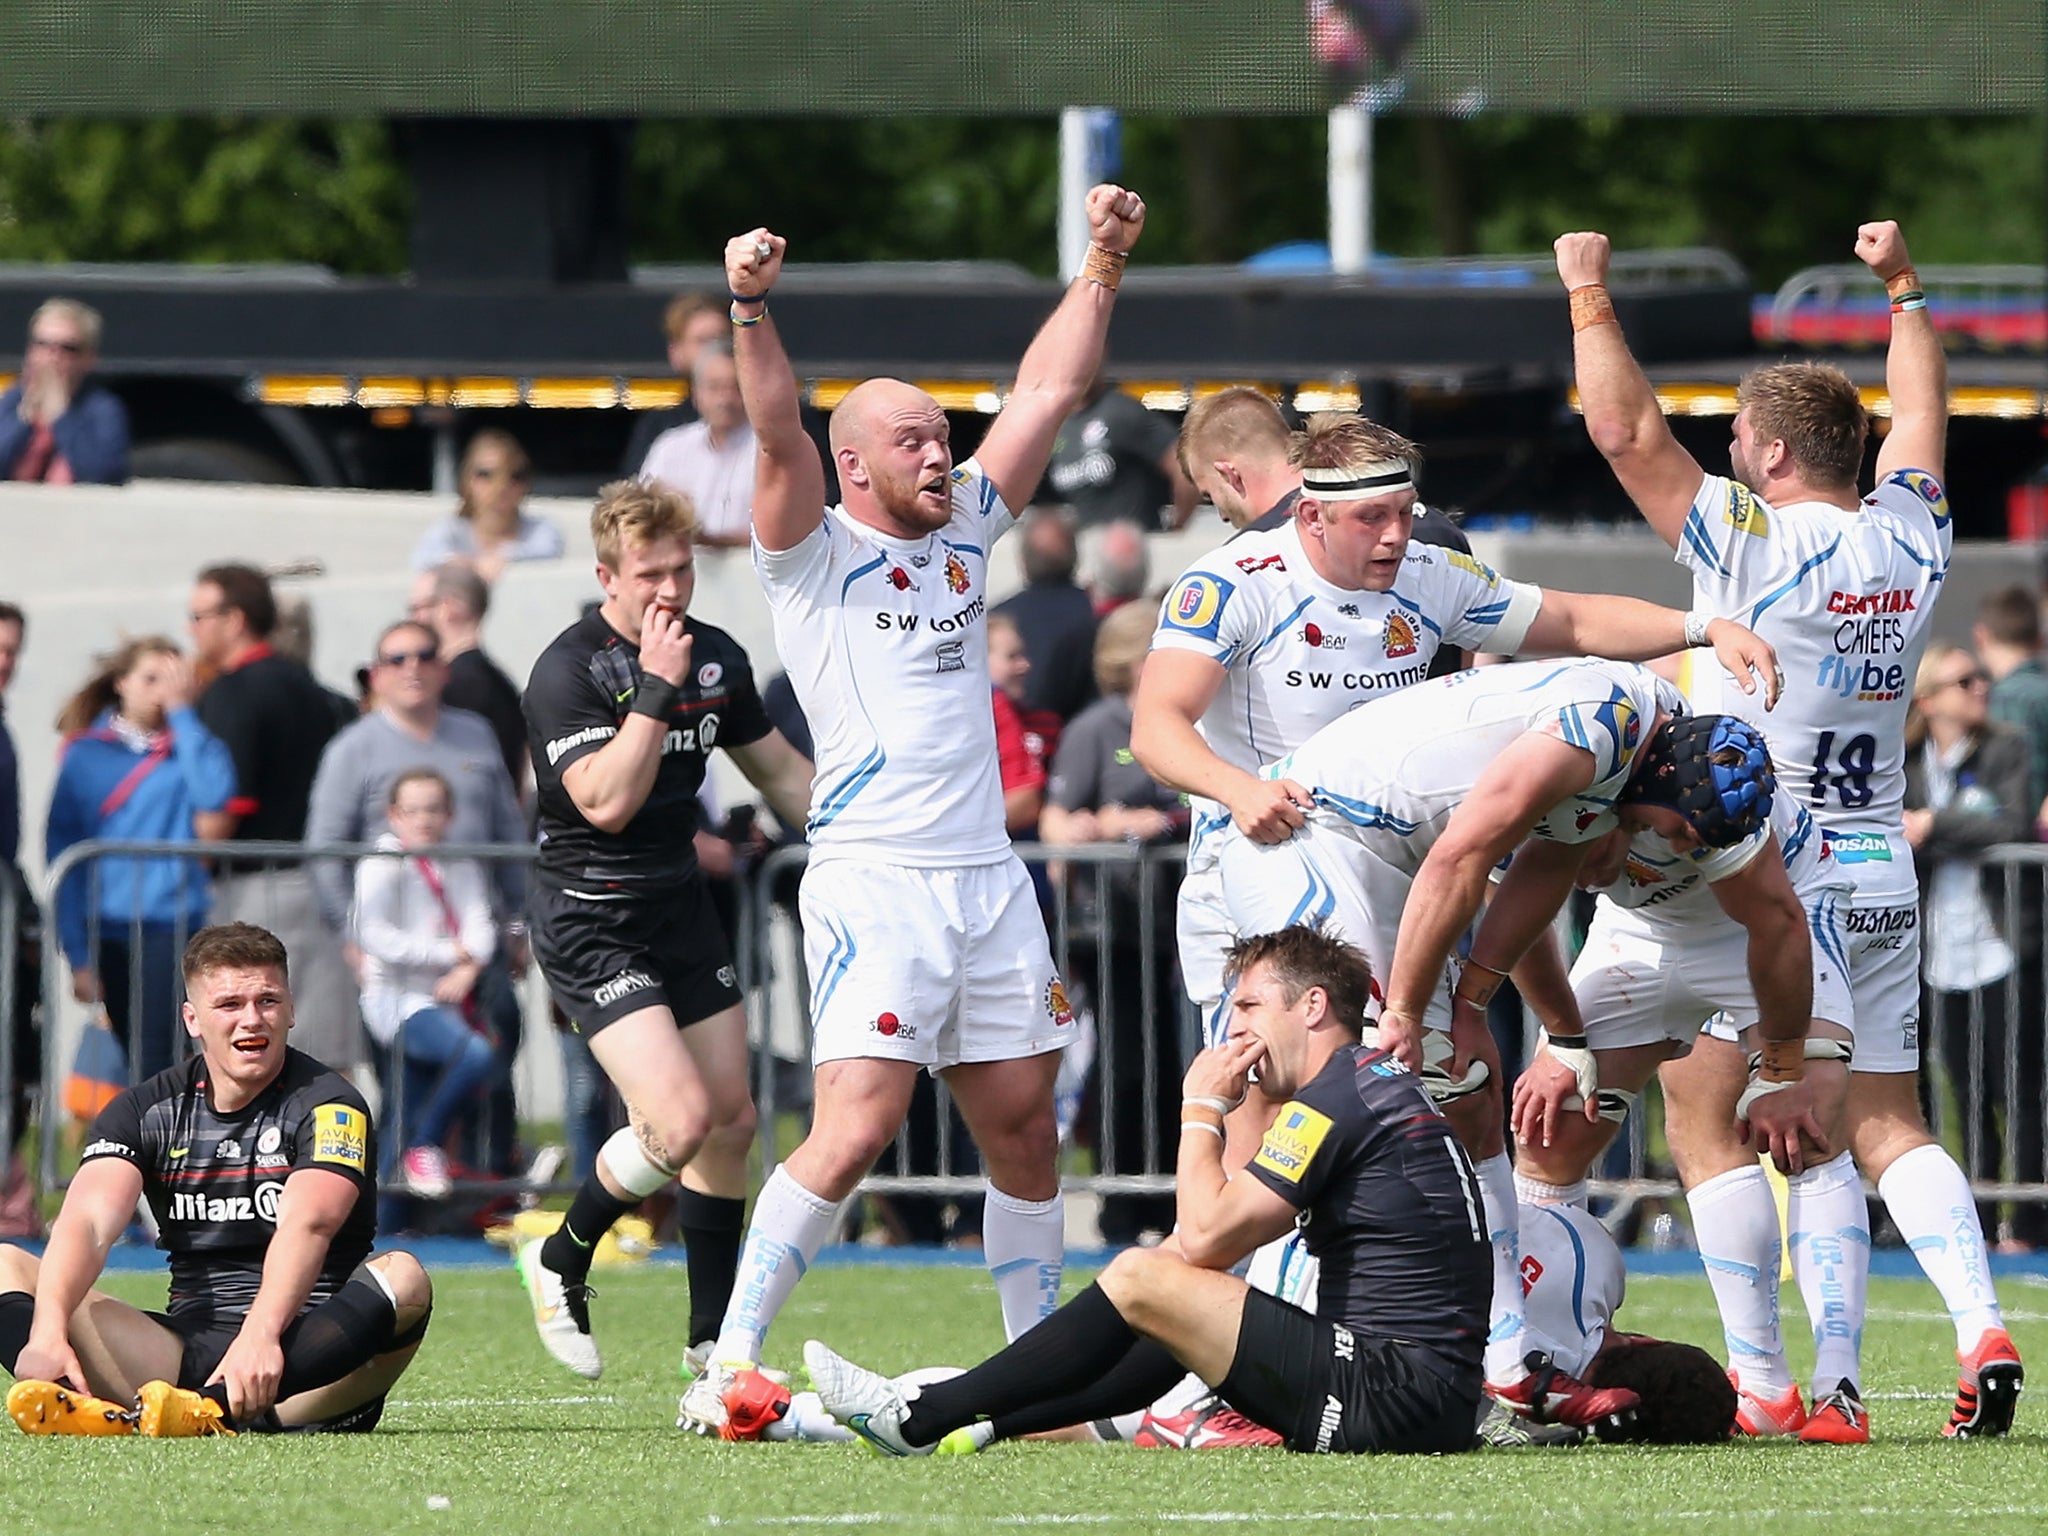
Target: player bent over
<point x="257" y="1163"/>
<point x="1359" y="1155"/>
<point x="1750" y="937"/>
<point x="1416" y="798"/>
<point x="624" y="710"/>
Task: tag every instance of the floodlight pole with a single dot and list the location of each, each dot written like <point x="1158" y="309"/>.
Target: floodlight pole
<point x="1350" y="189"/>
<point x="1091" y="150"/>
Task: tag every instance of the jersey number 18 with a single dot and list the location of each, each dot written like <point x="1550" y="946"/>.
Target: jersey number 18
<point x="1848" y="772"/>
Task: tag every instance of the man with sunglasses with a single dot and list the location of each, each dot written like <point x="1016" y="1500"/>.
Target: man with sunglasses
<point x="56" y="425"/>
<point x="409" y="727"/>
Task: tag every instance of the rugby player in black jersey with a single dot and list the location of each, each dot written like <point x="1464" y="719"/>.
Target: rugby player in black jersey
<point x="1359" y="1156"/>
<point x="257" y="1163"/>
<point x="623" y="712"/>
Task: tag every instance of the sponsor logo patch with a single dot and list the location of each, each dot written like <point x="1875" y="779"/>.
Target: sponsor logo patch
<point x="1297" y="1133"/>
<point x="105" y="1148"/>
<point x="1857" y="847"/>
<point x="1196" y="605"/>
<point x="341" y="1134"/>
<point x="1253" y="564"/>
<point x="621" y="985"/>
<point x="952" y="656"/>
<point x="890" y="1027"/>
<point x="1745" y="514"/>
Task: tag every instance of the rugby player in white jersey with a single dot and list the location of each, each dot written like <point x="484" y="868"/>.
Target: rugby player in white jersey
<point x="1414" y="799"/>
<point x="1844" y="586"/>
<point x="922" y="935"/>
<point x="1750" y="937"/>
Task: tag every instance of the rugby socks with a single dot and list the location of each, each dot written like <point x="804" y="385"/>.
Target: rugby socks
<point x="17" y="1312"/>
<point x="712" y="1228"/>
<point x="1735" y="1223"/>
<point x="1830" y="1241"/>
<point x="1062" y="1356"/>
<point x="1024" y="1243"/>
<point x="1535" y="1192"/>
<point x="790" y="1226"/>
<point x="1504" y="1232"/>
<point x="1146" y="1373"/>
<point x="1931" y="1206"/>
<point x="345" y="1332"/>
<point x="569" y="1247"/>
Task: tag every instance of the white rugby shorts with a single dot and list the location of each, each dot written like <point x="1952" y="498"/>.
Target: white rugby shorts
<point x="931" y="966"/>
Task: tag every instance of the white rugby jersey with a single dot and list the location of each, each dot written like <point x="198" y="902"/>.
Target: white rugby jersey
<point x="1846" y="598"/>
<point x="1298" y="652"/>
<point x="1573" y="1282"/>
<point x="1391" y="772"/>
<point x="887" y="651"/>
<point x="1670" y="886"/>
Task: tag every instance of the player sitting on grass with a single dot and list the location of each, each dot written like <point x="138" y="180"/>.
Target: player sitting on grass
<point x="256" y="1161"/>
<point x="1390" y="1359"/>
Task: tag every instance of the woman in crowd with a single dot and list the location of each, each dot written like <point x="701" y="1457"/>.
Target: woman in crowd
<point x="491" y="528"/>
<point x="137" y="765"/>
<point x="1967" y="790"/>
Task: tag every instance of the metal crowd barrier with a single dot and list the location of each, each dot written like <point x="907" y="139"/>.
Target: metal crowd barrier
<point x="1983" y="1077"/>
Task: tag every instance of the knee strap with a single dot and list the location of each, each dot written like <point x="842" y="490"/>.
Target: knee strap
<point x="638" y="1174"/>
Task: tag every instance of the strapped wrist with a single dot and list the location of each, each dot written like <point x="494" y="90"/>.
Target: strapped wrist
<point x="655" y="697"/>
<point x="1104" y="266"/>
<point x="1592" y="305"/>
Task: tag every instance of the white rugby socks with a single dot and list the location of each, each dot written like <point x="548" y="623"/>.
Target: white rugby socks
<point x="1531" y="1191"/>
<point x="1830" y="1241"/>
<point x="1735" y="1223"/>
<point x="1504" y="1230"/>
<point x="790" y="1225"/>
<point x="1024" y="1243"/>
<point x="1931" y="1206"/>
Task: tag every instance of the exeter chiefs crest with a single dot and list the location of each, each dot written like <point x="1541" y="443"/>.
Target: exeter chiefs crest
<point x="956" y="573"/>
<point x="1400" y="636"/>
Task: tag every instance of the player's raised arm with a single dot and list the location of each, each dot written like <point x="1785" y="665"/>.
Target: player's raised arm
<point x="1915" y="367"/>
<point x="1065" y="356"/>
<point x="1622" y="415"/>
<point x="1629" y="629"/>
<point x="789" y="482"/>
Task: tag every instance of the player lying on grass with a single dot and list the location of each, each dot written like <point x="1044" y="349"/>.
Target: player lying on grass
<point x="256" y="1161"/>
<point x="1390" y="1359"/>
<point x="1747" y="944"/>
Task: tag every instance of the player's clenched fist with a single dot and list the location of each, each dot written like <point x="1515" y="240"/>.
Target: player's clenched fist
<point x="1582" y="258"/>
<point x="1115" y="217"/>
<point x="752" y="263"/>
<point x="1882" y="248"/>
<point x="664" y="647"/>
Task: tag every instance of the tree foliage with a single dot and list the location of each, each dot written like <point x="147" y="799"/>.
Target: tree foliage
<point x="1779" y="193"/>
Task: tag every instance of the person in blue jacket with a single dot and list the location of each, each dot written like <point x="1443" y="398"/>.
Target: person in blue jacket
<point x="137" y="764"/>
<point x="57" y="425"/>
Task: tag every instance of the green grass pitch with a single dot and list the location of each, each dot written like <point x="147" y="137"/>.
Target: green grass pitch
<point x="514" y="1444"/>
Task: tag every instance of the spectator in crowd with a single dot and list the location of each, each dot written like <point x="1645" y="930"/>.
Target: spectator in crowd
<point x="1051" y="605"/>
<point x="2007" y="636"/>
<point x="19" y="1216"/>
<point x="457" y="598"/>
<point x="276" y="720"/>
<point x="711" y="460"/>
<point x="1020" y="752"/>
<point x="56" y="424"/>
<point x="1115" y="461"/>
<point x="491" y="527"/>
<point x="138" y="765"/>
<point x="1116" y="571"/>
<point x="425" y="931"/>
<point x="690" y="321"/>
<point x="412" y="728"/>
<point x="1099" y="794"/>
<point x="1967" y="789"/>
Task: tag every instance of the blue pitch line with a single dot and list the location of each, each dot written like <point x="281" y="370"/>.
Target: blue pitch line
<point x="475" y="1253"/>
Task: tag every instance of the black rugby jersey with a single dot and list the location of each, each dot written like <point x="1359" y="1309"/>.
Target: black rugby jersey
<point x="1389" y="1203"/>
<point x="579" y="694"/>
<point x="213" y="1180"/>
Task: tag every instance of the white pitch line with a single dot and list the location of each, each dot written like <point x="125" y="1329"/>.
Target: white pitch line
<point x="496" y="1402"/>
<point x="1318" y="1517"/>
